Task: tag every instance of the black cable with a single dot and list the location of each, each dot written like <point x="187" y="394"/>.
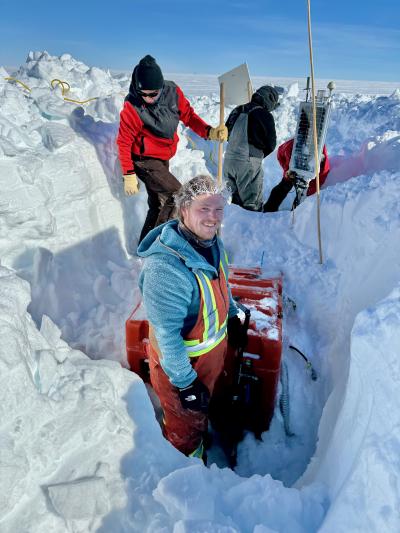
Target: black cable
<point x="309" y="365"/>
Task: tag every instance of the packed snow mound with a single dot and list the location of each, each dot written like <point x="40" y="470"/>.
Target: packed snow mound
<point x="64" y="424"/>
<point x="80" y="449"/>
<point x="85" y="82"/>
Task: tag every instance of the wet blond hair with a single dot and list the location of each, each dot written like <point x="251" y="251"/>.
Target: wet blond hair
<point x="197" y="186"/>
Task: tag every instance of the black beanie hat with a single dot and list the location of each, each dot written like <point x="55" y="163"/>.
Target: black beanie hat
<point x="148" y="74"/>
<point x="267" y="96"/>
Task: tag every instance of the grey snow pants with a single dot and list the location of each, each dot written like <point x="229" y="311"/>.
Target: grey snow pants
<point x="245" y="179"/>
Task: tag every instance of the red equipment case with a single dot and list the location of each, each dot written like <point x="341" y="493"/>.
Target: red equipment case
<point x="263" y="295"/>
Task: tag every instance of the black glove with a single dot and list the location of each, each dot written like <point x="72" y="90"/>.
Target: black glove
<point x="299" y="182"/>
<point x="195" y="396"/>
<point x="290" y="177"/>
<point x="235" y="332"/>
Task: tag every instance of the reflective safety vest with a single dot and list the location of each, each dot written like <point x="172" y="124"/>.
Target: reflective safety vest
<point x="211" y="325"/>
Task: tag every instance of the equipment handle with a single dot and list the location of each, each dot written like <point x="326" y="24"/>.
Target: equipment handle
<point x="249" y="90"/>
<point x="221" y="123"/>
<point x="245" y="327"/>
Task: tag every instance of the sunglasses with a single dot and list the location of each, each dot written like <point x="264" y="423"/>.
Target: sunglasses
<point x="151" y="94"/>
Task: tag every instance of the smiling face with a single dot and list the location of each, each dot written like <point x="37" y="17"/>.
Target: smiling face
<point x="204" y="215"/>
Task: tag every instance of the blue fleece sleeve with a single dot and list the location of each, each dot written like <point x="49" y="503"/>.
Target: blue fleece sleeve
<point x="167" y="294"/>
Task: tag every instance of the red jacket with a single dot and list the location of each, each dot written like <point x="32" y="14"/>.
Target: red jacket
<point x="135" y="138"/>
<point x="284" y="155"/>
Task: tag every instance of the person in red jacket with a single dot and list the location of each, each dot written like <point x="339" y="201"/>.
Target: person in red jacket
<point x="147" y="138"/>
<point x="280" y="191"/>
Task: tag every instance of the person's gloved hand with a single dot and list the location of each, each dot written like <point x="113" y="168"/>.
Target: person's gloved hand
<point x="195" y="396"/>
<point x="235" y="332"/>
<point x="131" y="184"/>
<point x="220" y="133"/>
<point x="298" y="181"/>
<point x="291" y="176"/>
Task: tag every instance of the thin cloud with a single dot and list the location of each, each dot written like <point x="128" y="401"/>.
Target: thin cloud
<point x="332" y="34"/>
<point x="359" y="36"/>
<point x="270" y="24"/>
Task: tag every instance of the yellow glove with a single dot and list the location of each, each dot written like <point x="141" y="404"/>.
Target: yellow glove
<point x="220" y="133"/>
<point x="131" y="184"/>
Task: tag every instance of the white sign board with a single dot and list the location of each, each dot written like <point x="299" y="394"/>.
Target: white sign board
<point x="237" y="85"/>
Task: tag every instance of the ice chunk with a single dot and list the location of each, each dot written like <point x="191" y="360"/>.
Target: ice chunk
<point x="187" y="494"/>
<point x="79" y="499"/>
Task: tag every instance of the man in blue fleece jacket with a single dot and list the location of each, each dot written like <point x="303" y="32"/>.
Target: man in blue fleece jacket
<point x="184" y="283"/>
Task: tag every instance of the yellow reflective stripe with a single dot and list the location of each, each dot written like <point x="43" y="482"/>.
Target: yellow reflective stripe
<point x="193" y="347"/>
<point x="210" y="312"/>
<point x="202" y="351"/>
<point x="209" y="328"/>
<point x="226" y="264"/>
<point x="205" y="310"/>
<point x="214" y="307"/>
<point x="225" y="268"/>
<point x="195" y="342"/>
<point x="191" y="342"/>
<point x="198" y="452"/>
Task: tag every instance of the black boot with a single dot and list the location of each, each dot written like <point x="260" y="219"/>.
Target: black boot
<point x="277" y="195"/>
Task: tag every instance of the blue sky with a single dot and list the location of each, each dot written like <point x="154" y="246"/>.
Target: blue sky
<point x="352" y="39"/>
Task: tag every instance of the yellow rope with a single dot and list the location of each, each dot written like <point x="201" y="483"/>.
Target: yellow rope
<point x="20" y="82"/>
<point x="65" y="86"/>
<point x="81" y="101"/>
<point x="314" y="131"/>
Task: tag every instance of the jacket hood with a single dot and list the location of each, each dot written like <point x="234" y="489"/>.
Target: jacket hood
<point x="165" y="239"/>
<point x="267" y="97"/>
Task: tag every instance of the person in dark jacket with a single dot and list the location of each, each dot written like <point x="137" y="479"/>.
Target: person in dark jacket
<point x="148" y="139"/>
<point x="251" y="137"/>
<point x="280" y="191"/>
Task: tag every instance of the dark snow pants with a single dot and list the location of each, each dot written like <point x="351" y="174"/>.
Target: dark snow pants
<point x="277" y="195"/>
<point x="160" y="186"/>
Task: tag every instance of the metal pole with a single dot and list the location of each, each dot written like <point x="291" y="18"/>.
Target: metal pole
<point x="316" y="159"/>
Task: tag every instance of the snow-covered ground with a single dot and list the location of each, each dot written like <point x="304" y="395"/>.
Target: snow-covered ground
<point x="80" y="448"/>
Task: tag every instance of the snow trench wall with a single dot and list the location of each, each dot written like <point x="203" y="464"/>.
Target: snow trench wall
<point x="360" y="464"/>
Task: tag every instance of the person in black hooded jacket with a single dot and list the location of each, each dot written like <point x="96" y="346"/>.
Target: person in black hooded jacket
<point x="252" y="137"/>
